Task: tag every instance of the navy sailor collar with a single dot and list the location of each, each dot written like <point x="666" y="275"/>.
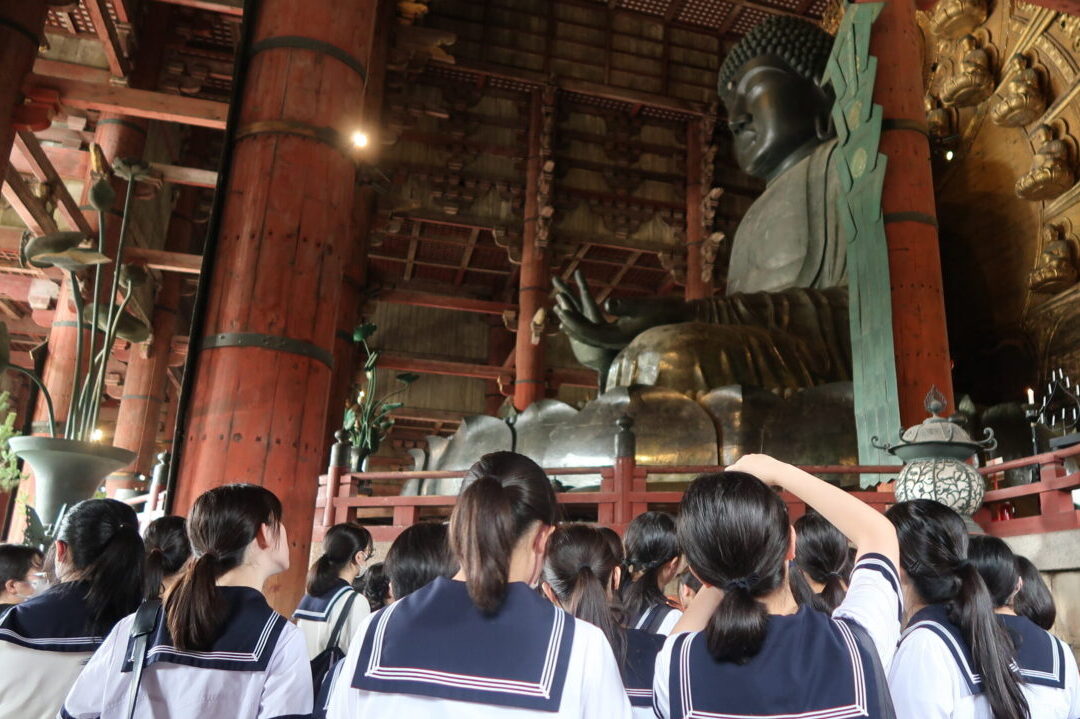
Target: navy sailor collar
<point x="56" y="621"/>
<point x="1039" y="654"/>
<point x="810" y="665"/>
<point x="247" y="640"/>
<point x="640" y="665"/>
<point x="317" y="609"/>
<point x="436" y="643"/>
<point x="935" y="618"/>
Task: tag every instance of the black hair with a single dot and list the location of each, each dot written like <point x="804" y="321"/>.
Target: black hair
<point x="16" y="561"/>
<point x="687" y="579"/>
<point x="579" y="567"/>
<point x="340" y="546"/>
<point x="800" y="44"/>
<point x="1034" y="599"/>
<point x="505" y="494"/>
<point x="374" y="584"/>
<point x="167" y="551"/>
<point x="821" y="552"/>
<point x="651" y="542"/>
<point x="615" y="542"/>
<point x="223" y="523"/>
<point x="996" y="564"/>
<point x="735" y="532"/>
<point x="419" y="555"/>
<point x="934" y="553"/>
<point x="104" y="546"/>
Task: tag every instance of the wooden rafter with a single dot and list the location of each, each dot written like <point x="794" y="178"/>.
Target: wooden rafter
<point x="404" y="362"/>
<point x="579" y="255"/>
<point x="110" y="38"/>
<point x="165" y="261"/>
<point x="225" y="7"/>
<point x="414" y="263"/>
<point x="618" y="276"/>
<point x="445" y="302"/>
<point x="71" y="164"/>
<point x="42" y="168"/>
<point x="466" y="256"/>
<point x="410" y="261"/>
<point x="30" y="209"/>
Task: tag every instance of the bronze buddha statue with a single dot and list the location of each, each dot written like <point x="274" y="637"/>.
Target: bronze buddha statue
<point x="1021" y="101"/>
<point x="784" y="323"/>
<point x="974" y="82"/>
<point x="1056" y="268"/>
<point x="1051" y="172"/>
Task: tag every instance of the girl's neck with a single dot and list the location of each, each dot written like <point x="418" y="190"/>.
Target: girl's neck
<point x="781" y="601"/>
<point x="246" y="575"/>
<point x="348" y="574"/>
<point x="1006" y="610"/>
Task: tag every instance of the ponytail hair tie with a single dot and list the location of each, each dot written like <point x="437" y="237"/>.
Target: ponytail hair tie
<point x="743" y="583"/>
<point x="838" y="575"/>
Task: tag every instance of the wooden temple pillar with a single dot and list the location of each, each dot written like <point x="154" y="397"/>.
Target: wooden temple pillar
<point x="535" y="280"/>
<point x="918" y="304"/>
<point x="146" y="381"/>
<point x="118" y="136"/>
<point x="22" y="23"/>
<point x="263" y="371"/>
<point x="697" y="287"/>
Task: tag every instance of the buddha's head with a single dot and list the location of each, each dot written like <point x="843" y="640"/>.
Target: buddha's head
<point x="770" y="84"/>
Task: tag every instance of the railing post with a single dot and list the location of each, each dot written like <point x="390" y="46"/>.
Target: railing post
<point x="625" y="462"/>
<point x="158" y="477"/>
<point x="339" y="455"/>
<point x="1058" y="500"/>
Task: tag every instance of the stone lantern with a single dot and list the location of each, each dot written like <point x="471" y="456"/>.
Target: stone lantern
<point x="935" y="455"/>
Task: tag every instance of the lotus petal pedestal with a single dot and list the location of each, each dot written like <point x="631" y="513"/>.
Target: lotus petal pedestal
<point x="66" y="471"/>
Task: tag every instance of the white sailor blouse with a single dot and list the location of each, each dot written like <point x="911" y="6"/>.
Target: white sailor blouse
<point x="316" y="617"/>
<point x="257" y="669"/>
<point x="811" y="664"/>
<point x="433" y="653"/>
<point x="1047" y="668"/>
<point x="44" y="644"/>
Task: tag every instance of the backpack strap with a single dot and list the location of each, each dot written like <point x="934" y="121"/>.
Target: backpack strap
<point x="335" y="634"/>
<point x="654" y="617"/>
<point x="141" y="629"/>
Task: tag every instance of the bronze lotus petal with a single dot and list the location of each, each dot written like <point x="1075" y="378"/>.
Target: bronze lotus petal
<point x="129" y="327"/>
<point x="134" y="275"/>
<point x="61" y="249"/>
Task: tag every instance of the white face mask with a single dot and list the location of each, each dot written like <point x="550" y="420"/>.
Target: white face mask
<point x="38" y="583"/>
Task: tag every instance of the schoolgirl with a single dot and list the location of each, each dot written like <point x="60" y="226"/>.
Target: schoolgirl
<point x="374" y="584"/>
<point x="580" y="575"/>
<point x="419" y="555"/>
<point x="1034" y="599"/>
<point x="744" y="630"/>
<point x="346" y="548"/>
<point x="20" y="574"/>
<point x="484" y="644"/>
<point x="821" y="552"/>
<point x="954" y="659"/>
<point x="652" y="560"/>
<point x="1047" y="665"/>
<point x="218" y="649"/>
<point x="46" y="640"/>
<point x="167" y="552"/>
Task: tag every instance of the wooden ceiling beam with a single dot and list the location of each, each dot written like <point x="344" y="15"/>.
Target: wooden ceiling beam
<point x="161" y="106"/>
<point x="423" y="414"/>
<point x="410" y="261"/>
<point x="72" y="164"/>
<point x="119" y="65"/>
<point x="27" y="327"/>
<point x="441" y="265"/>
<point x="42" y="168"/>
<point x="403" y="362"/>
<point x="15" y="287"/>
<point x="466" y="256"/>
<point x="234" y="8"/>
<point x="165" y="261"/>
<point x="618" y="276"/>
<point x="30" y="209"/>
<point x="443" y="302"/>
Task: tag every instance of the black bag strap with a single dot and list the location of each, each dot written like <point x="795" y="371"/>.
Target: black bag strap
<point x="141" y="629"/>
<point x="657" y="614"/>
<point x="335" y="634"/>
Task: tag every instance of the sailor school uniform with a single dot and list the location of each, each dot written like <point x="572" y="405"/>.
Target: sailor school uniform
<point x="434" y="654"/>
<point x="810" y="665"/>
<point x="1047" y="668"/>
<point x="658" y="619"/>
<point x="256" y="669"/>
<point x="638" y="669"/>
<point x="44" y="644"/>
<point x="317" y="616"/>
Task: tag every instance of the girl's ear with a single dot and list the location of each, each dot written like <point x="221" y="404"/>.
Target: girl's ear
<point x="358" y="559"/>
<point x="263" y="537"/>
<point x="616" y="580"/>
<point x="550" y="594"/>
<point x="792" y="540"/>
<point x="61" y="551"/>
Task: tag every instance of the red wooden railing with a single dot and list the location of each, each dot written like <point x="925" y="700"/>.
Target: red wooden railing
<point x="1042" y="506"/>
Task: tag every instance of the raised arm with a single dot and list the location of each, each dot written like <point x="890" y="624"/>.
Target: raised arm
<point x="867" y="528"/>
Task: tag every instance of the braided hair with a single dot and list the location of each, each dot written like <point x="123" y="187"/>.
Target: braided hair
<point x="803" y="46"/>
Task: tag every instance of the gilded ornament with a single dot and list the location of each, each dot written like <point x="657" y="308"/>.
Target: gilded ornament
<point x="1051" y="172"/>
<point x="1056" y="268"/>
<point x="974" y="82"/>
<point x="1021" y="100"/>
<point x="955" y="18"/>
<point x="939" y="119"/>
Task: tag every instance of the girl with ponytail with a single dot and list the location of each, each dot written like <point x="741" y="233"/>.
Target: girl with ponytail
<point x="1034" y="599"/>
<point x="744" y="646"/>
<point x="330" y="594"/>
<point x="821" y="552"/>
<point x="484" y="644"/>
<point x="46" y="640"/>
<point x="581" y="573"/>
<point x="1047" y="665"/>
<point x="955" y="658"/>
<point x="167" y="553"/>
<point x="652" y="560"/>
<point x="217" y="649"/>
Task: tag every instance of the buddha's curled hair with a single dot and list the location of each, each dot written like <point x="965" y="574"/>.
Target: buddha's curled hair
<point x="801" y="44"/>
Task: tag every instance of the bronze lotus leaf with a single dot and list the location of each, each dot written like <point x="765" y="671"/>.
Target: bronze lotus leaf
<point x="134" y="275"/>
<point x="61" y="249"/>
<point x="102" y="195"/>
<point x="135" y="170"/>
<point x="128" y="327"/>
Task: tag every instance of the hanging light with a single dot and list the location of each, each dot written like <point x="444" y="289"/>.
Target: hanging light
<point x="359" y="139"/>
<point x="949" y="155"/>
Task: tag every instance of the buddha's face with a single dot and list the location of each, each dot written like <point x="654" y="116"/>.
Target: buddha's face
<point x="774" y="113"/>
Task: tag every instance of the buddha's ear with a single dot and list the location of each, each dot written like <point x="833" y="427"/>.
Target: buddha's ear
<point x="823" y="123"/>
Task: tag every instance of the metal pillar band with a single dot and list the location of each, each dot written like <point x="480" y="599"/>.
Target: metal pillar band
<point x="326" y="135"/>
<point x="275" y="343"/>
<point x="306" y="43"/>
<point x="920" y="217"/>
<point x="900" y="123"/>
